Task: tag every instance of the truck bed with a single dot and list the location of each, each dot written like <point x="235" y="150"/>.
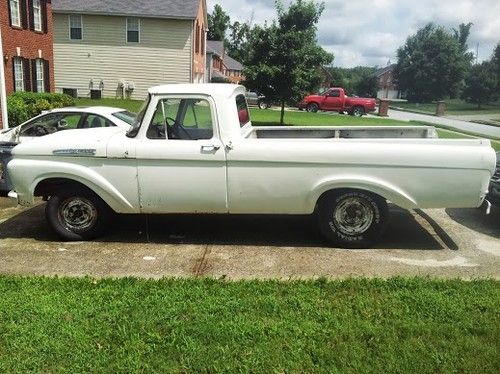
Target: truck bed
<point x="353" y="132"/>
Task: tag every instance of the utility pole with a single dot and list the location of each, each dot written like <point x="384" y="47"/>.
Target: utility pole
<point x="3" y="93"/>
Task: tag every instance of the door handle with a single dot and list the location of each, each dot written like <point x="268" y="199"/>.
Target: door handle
<point x="210" y="148"/>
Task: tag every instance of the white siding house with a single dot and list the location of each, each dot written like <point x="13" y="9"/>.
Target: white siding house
<point x="122" y="48"/>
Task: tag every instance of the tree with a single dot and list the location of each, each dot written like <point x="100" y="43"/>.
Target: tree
<point x="285" y="56"/>
<point x="237" y="43"/>
<point x="218" y="23"/>
<point x="432" y="64"/>
<point x="480" y="84"/>
<point x="495" y="60"/>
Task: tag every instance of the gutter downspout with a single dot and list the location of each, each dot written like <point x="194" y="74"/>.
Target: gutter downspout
<point x="3" y="93"/>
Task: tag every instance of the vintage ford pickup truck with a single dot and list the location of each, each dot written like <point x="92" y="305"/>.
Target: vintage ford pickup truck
<point x="193" y="149"/>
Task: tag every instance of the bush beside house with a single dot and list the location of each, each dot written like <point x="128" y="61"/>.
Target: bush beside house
<point x="22" y="106"/>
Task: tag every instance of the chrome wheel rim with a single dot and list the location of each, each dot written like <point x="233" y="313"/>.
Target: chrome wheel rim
<point x="77" y="214"/>
<point x="353" y="216"/>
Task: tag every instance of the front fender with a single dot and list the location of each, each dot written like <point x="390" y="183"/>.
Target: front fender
<point x="386" y="190"/>
<point x="26" y="175"/>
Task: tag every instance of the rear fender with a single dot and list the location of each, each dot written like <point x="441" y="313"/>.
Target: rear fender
<point x="386" y="190"/>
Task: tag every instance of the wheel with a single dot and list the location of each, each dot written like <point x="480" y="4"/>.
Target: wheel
<point x="358" y="111"/>
<point x="77" y="214"/>
<point x="263" y="105"/>
<point x="313" y="107"/>
<point x="352" y="218"/>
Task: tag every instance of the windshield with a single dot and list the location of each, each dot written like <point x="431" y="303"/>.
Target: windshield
<point x="136" y="125"/>
<point x="126" y="116"/>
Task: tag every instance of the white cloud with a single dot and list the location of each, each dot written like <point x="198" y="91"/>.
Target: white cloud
<point x="368" y="32"/>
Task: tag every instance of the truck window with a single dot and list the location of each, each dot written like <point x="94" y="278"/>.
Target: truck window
<point x="242" y="108"/>
<point x="334" y="93"/>
<point x="181" y="119"/>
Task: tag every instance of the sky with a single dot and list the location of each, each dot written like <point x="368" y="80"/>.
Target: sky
<point x="368" y="32"/>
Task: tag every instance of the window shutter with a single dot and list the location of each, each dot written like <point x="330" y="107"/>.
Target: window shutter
<point x="14" y="72"/>
<point x="26" y="74"/>
<point x="24" y="14"/>
<point x="45" y="15"/>
<point x="46" y="75"/>
<point x="31" y="15"/>
<point x="33" y="75"/>
<point x="10" y="14"/>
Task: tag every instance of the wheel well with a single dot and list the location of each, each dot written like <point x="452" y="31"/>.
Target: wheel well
<point x="48" y="187"/>
<point x="337" y="191"/>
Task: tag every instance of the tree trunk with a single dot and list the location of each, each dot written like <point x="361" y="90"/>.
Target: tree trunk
<point x="282" y="112"/>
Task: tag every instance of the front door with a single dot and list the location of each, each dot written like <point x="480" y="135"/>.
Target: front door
<point x="333" y="100"/>
<point x="181" y="159"/>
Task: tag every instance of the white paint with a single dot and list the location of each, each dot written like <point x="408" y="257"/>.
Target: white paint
<point x="433" y="263"/>
<point x="245" y="173"/>
<point x="62" y="249"/>
<point x="149" y="258"/>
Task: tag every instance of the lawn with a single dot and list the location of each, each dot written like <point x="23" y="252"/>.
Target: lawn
<point x="454" y="107"/>
<point x="358" y="325"/>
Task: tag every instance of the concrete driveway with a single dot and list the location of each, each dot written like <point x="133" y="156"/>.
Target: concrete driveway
<point x="445" y="243"/>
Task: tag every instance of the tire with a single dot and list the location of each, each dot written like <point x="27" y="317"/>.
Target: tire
<point x="312" y="108"/>
<point x="77" y="214"/>
<point x="358" y="111"/>
<point x="263" y="105"/>
<point x="352" y="218"/>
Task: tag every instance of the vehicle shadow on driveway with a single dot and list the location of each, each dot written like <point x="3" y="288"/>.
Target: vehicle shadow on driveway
<point x="478" y="220"/>
<point x="403" y="231"/>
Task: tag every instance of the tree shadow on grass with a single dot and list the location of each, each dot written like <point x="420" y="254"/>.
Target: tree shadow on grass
<point x="403" y="231"/>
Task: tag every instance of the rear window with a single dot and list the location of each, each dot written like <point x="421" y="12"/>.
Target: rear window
<point x="241" y="106"/>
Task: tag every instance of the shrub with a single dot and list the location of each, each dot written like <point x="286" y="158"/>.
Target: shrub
<point x="17" y="111"/>
<point x="22" y="106"/>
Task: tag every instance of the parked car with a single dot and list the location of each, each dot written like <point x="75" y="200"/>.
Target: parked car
<point x="53" y="121"/>
<point x="254" y="98"/>
<point x="193" y="149"/>
<point x="335" y="99"/>
<point x="494" y="191"/>
<point x="67" y="118"/>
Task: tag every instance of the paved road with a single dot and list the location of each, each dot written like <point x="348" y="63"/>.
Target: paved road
<point x="458" y="124"/>
<point x="453" y="243"/>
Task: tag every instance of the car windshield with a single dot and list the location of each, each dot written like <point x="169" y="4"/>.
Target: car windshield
<point x="126" y="116"/>
<point x="136" y="125"/>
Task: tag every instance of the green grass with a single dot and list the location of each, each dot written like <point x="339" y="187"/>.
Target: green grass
<point x="454" y="107"/>
<point x="296" y="118"/>
<point x="130" y="105"/>
<point x="129" y="325"/>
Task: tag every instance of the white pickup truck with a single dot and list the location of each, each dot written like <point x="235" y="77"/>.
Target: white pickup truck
<point x="193" y="149"/>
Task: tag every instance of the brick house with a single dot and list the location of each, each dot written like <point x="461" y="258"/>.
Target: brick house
<point x="27" y="43"/>
<point x="221" y="66"/>
<point x="387" y="87"/>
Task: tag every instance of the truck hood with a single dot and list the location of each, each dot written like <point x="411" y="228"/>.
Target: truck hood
<point x="72" y="143"/>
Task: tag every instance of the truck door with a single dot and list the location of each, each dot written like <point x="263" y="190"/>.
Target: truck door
<point x="333" y="100"/>
<point x="181" y="160"/>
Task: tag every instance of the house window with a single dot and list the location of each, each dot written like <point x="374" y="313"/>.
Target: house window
<point x="133" y="26"/>
<point x="40" y="80"/>
<point x="18" y="74"/>
<point x="75" y="27"/>
<point x="37" y="15"/>
<point x="15" y="13"/>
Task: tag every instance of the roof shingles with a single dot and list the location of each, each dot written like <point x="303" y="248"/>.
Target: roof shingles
<point x="176" y="9"/>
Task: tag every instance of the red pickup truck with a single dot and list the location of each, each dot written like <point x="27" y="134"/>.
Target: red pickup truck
<point x="335" y="99"/>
